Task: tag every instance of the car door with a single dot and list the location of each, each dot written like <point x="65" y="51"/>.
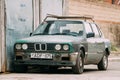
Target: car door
<point x="99" y="42"/>
<point x="91" y="46"/>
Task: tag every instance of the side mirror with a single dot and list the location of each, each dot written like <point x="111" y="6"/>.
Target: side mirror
<point x="90" y="35"/>
<point x="30" y="34"/>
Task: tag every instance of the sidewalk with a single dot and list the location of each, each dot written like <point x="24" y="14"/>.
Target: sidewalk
<point x="114" y="57"/>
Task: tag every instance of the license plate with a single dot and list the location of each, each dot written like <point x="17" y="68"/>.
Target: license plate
<point x="41" y="55"/>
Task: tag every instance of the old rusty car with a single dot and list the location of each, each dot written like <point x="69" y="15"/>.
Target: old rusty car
<point x="66" y="41"/>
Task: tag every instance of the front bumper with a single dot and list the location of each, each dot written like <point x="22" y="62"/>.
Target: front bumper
<point x="54" y="62"/>
<point x="43" y="63"/>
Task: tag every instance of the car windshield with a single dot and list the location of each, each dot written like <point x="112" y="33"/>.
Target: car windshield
<point x="74" y="28"/>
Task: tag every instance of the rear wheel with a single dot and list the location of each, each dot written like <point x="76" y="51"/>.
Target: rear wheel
<point x="103" y="64"/>
<point x="79" y="67"/>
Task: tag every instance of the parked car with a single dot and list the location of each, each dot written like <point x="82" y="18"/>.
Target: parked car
<point x="67" y="41"/>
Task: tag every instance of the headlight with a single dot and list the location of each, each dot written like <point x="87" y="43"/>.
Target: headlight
<point x="66" y="47"/>
<point x="58" y="47"/>
<point x="24" y="46"/>
<point x="18" y="46"/>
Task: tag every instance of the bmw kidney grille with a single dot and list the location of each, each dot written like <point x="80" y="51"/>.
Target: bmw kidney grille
<point x="40" y="47"/>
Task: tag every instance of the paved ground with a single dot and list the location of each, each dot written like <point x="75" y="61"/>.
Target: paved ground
<point x="90" y="73"/>
<point x="114" y="57"/>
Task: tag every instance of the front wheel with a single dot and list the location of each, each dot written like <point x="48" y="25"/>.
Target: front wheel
<point x="103" y="64"/>
<point x="79" y="67"/>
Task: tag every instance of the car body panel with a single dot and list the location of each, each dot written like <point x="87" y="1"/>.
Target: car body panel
<point x="96" y="50"/>
<point x="50" y="39"/>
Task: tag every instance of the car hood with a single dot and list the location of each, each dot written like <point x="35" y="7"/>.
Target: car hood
<point x="50" y="39"/>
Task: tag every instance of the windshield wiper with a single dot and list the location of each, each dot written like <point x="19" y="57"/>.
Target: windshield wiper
<point x="71" y="34"/>
<point x="41" y="34"/>
<point x="59" y="34"/>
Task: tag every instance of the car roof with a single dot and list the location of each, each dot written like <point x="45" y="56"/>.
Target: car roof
<point x="65" y="20"/>
<point x="74" y="18"/>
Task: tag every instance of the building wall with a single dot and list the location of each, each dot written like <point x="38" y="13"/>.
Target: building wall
<point x="2" y="37"/>
<point x="117" y="2"/>
<point x="112" y="1"/>
<point x="106" y="15"/>
<point x="36" y="13"/>
<point x="101" y="1"/>
<point x="109" y="1"/>
<point x="19" y="23"/>
<point x="44" y="7"/>
<point x="51" y="7"/>
<point x="106" y="1"/>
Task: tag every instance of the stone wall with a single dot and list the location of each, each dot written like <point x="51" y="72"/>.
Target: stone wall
<point x="106" y="15"/>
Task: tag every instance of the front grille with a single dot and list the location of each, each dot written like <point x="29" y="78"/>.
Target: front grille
<point x="40" y="47"/>
<point x="43" y="47"/>
<point x="31" y="47"/>
<point x="37" y="47"/>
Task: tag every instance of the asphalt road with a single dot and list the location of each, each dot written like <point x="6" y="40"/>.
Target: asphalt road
<point x="90" y="73"/>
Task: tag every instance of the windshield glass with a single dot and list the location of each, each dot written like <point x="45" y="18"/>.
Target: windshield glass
<point x="74" y="28"/>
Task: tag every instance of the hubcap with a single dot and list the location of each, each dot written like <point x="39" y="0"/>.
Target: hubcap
<point x="105" y="61"/>
<point x="80" y="62"/>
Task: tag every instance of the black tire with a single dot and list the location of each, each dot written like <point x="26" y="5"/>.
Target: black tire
<point x="103" y="64"/>
<point x="20" y="69"/>
<point x="79" y="67"/>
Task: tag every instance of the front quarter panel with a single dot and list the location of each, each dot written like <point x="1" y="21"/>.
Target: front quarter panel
<point x="107" y="45"/>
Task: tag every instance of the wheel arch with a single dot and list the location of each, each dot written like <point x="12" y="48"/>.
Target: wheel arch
<point x="107" y="51"/>
<point x="83" y="49"/>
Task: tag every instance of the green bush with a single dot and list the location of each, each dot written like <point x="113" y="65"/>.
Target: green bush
<point x="113" y="48"/>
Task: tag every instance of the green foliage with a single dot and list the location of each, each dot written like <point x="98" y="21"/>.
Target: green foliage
<point x="113" y="48"/>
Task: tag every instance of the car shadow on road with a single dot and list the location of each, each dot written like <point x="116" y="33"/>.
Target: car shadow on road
<point x="57" y="71"/>
<point x="90" y="70"/>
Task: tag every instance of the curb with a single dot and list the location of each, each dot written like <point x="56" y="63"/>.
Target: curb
<point x="114" y="59"/>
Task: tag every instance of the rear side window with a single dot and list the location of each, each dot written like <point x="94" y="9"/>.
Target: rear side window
<point x="88" y="28"/>
<point x="95" y="30"/>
